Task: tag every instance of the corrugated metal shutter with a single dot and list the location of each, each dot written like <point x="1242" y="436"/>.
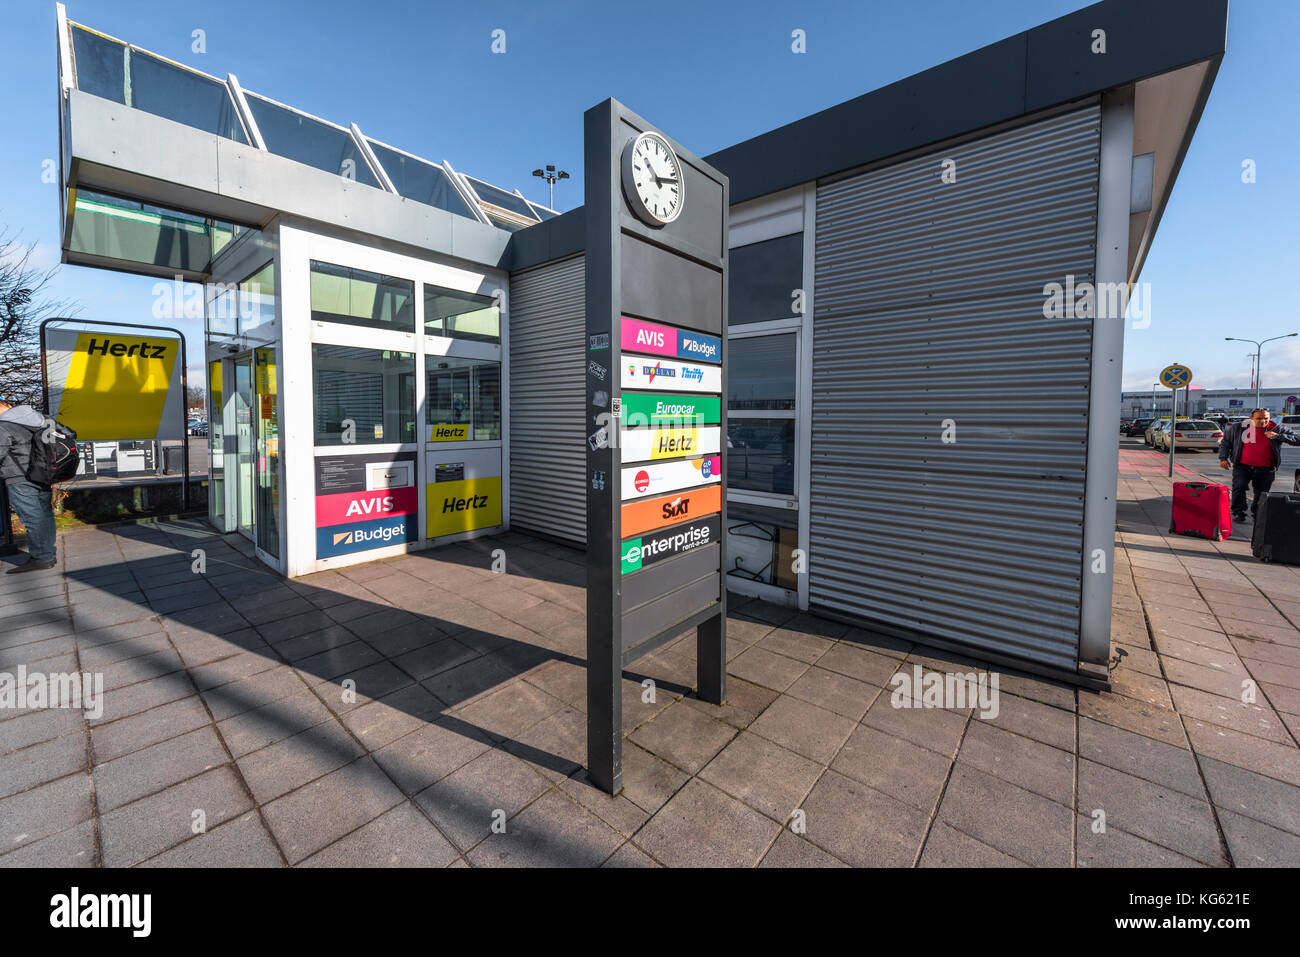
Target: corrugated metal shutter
<point x="929" y="306"/>
<point x="548" y="459"/>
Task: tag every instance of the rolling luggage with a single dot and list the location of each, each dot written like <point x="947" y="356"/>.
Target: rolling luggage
<point x="1277" y="529"/>
<point x="1201" y="508"/>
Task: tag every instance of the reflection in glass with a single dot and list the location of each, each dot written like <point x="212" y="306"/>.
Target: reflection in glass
<point x="499" y="197"/>
<point x="762" y="279"/>
<point x="760" y="455"/>
<point x="761" y="543"/>
<point x="257" y="299"/>
<point x="216" y="449"/>
<point x="421" y="181"/>
<point x="305" y="139"/>
<point x="140" y="80"/>
<point x="373" y="390"/>
<point x="359" y="298"/>
<point x="267" y="491"/>
<point x="465" y="392"/>
<point x="461" y="315"/>
<point x="761" y="372"/>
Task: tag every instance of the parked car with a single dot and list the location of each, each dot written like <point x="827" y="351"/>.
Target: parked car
<point x="199" y="427"/>
<point x="1291" y="421"/>
<point x="1190" y="434"/>
<point x="1149" y="433"/>
<point x="1137" y="427"/>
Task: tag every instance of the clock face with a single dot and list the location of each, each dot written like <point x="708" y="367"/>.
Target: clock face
<point x="652" y="179"/>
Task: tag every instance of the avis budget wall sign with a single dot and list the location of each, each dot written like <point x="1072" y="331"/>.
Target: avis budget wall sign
<point x="656" y="501"/>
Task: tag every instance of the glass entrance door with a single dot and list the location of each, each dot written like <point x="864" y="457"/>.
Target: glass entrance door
<point x="243" y="399"/>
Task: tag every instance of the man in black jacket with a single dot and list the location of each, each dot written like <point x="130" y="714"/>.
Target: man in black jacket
<point x="20" y="426"/>
<point x="1253" y="450"/>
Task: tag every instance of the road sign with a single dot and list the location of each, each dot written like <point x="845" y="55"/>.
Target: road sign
<point x="1175" y="376"/>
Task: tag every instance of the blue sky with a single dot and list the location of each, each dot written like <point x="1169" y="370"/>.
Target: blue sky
<point x="422" y="76"/>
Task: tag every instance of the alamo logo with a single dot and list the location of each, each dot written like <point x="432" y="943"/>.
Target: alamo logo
<point x="109" y="348"/>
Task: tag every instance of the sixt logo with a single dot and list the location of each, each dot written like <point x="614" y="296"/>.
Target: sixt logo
<point x="677" y="508"/>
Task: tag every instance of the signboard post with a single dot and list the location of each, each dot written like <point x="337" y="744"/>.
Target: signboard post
<point x="656" y="454"/>
<point x="1175" y="377"/>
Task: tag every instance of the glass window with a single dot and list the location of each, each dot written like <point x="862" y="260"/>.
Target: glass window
<point x="367" y="395"/>
<point x="141" y="80"/>
<point x="761" y="543"/>
<point x="761" y="372"/>
<point x="461" y="315"/>
<point x="257" y="299"/>
<point x="423" y="182"/>
<point x="310" y="141"/>
<point x="499" y="197"/>
<point x="223" y="313"/>
<point x="216" y="446"/>
<point x="542" y="212"/>
<point x="465" y="392"/>
<point x="118" y="228"/>
<point x="760" y="455"/>
<point x="358" y="298"/>
<point x="762" y="279"/>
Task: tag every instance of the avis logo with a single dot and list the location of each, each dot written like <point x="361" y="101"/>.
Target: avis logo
<point x="650" y="337"/>
<point x="369" y="506"/>
<point x="677" y="508"/>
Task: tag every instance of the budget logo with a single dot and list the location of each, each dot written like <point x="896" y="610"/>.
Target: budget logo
<point x="691" y="345"/>
<point x="361" y="536"/>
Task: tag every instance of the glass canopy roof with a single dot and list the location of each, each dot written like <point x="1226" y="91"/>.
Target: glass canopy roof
<point x="126" y="74"/>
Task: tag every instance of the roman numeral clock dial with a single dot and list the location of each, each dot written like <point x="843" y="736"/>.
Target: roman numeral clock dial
<point x="652" y="179"/>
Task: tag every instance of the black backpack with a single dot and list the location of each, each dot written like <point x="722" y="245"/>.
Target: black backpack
<point x="55" y="460"/>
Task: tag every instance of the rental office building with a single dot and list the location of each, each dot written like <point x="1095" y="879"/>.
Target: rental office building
<point x="395" y="348"/>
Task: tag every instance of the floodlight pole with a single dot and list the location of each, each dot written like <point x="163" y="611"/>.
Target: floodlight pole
<point x="551" y="176"/>
<point x="1258" y="344"/>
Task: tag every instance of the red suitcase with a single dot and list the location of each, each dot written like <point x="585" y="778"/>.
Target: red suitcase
<point x="1201" y="508"/>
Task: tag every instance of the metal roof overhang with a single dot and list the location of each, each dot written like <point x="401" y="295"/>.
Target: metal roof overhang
<point x="115" y="149"/>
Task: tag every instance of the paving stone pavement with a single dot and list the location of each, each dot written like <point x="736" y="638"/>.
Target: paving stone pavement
<point x="228" y="702"/>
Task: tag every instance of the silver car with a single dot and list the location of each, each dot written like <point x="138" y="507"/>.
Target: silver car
<point x="1190" y="434"/>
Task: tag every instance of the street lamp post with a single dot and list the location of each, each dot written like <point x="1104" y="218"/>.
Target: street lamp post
<point x="1258" y="346"/>
<point x="551" y="177"/>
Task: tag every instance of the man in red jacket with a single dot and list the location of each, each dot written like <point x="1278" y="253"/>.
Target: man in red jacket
<point x="1253" y="450"/>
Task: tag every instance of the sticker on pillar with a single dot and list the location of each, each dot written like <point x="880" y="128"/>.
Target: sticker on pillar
<point x="642" y="480"/>
<point x="463" y="506"/>
<point x="640" y="445"/>
<point x="448" y="433"/>
<point x="665" y="374"/>
<point x="361" y="536"/>
<point x="637" y="553"/>
<point x="654" y="513"/>
<point x="680" y="410"/>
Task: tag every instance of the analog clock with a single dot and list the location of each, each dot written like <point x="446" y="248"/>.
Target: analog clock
<point x="652" y="179"/>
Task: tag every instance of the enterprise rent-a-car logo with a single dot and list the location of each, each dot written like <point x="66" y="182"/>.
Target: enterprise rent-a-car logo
<point x="648" y="549"/>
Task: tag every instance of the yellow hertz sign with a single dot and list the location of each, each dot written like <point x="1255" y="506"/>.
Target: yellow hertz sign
<point x="444" y="433"/>
<point x="115" y="386"/>
<point x="462" y="506"/>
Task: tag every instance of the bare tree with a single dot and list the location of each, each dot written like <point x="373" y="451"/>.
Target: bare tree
<point x="24" y="304"/>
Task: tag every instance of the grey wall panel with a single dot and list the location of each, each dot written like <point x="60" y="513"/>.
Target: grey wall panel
<point x="547" y="375"/>
<point x="664" y="287"/>
<point x="929" y="308"/>
<point x="649" y="583"/>
<point x="648" y="619"/>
